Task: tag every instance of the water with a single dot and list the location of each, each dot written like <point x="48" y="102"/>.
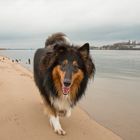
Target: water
<point x="117" y="64"/>
<point x="113" y="99"/>
<point x="109" y="63"/>
<point x="22" y="55"/>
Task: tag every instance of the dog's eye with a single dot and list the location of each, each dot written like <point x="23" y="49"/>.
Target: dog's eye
<point x="75" y="68"/>
<point x="63" y="67"/>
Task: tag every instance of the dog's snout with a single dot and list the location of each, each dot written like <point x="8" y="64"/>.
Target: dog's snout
<point x="67" y="83"/>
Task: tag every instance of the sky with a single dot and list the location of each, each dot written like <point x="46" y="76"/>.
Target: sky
<point x="27" y="23"/>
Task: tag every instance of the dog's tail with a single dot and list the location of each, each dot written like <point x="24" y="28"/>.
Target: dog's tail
<point x="57" y="39"/>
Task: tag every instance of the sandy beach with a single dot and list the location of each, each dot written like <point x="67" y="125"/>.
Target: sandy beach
<point x="21" y="115"/>
<point x="115" y="103"/>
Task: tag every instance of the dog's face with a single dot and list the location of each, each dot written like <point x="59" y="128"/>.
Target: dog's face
<point x="68" y="73"/>
<point x="68" y="69"/>
<point x="67" y="76"/>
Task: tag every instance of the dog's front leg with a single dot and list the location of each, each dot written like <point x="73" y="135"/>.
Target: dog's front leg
<point x="55" y="123"/>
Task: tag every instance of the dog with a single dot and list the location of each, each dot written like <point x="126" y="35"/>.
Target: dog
<point x="61" y="72"/>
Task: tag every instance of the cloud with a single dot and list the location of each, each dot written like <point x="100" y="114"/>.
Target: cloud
<point x="90" y="19"/>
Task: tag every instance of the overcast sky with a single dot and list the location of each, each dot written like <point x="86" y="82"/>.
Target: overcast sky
<point x="26" y="23"/>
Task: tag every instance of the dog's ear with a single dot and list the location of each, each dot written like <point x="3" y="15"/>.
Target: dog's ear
<point x="90" y="67"/>
<point x="59" y="48"/>
<point x="84" y="50"/>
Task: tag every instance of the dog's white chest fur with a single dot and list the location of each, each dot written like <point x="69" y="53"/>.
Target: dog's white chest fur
<point x="62" y="104"/>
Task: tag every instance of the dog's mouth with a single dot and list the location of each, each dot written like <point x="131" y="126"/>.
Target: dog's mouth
<point x="65" y="90"/>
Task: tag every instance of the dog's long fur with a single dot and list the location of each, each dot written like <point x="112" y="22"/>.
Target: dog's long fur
<point x="61" y="72"/>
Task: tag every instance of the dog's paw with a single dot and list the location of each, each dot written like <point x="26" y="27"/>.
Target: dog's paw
<point x="54" y="121"/>
<point x="60" y="131"/>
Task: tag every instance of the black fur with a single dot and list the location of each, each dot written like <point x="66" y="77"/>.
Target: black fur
<point x="46" y="59"/>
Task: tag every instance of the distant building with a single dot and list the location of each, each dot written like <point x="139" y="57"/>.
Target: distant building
<point x="130" y="45"/>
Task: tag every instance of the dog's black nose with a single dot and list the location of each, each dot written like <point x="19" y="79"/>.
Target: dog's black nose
<point x="67" y="83"/>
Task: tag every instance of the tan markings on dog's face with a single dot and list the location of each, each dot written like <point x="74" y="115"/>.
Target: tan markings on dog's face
<point x="58" y="75"/>
<point x="76" y="80"/>
<point x="75" y="66"/>
<point x="75" y="63"/>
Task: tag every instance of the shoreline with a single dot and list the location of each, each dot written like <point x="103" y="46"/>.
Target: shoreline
<point x="114" y="103"/>
<point x="22" y="116"/>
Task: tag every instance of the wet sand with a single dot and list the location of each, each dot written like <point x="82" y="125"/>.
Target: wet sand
<point x="115" y="104"/>
<point x="21" y="115"/>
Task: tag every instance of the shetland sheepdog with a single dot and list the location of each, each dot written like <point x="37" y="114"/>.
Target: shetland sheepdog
<point x="61" y="72"/>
